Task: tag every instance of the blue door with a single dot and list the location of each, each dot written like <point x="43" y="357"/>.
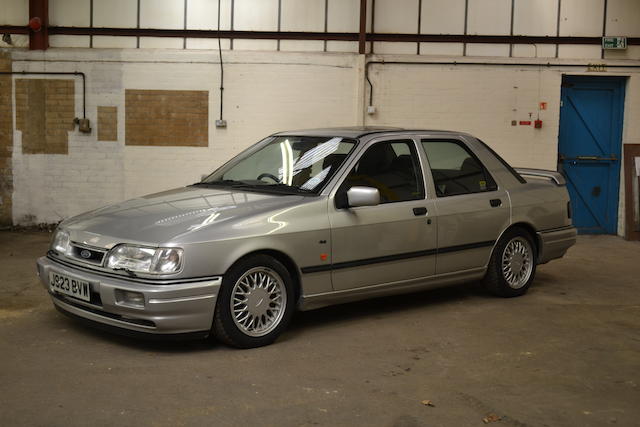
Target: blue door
<point x="591" y="116"/>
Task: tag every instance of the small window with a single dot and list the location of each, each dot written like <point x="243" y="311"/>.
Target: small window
<point x="393" y="168"/>
<point x="455" y="169"/>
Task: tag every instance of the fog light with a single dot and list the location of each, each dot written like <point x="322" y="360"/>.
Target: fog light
<point x="134" y="299"/>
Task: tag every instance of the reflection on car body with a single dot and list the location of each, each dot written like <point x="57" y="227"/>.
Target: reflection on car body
<point x="307" y="219"/>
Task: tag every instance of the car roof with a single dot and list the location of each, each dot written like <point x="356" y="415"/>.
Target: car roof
<point x="359" y="131"/>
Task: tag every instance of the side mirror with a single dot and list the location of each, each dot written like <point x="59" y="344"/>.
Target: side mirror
<point x="363" y="196"/>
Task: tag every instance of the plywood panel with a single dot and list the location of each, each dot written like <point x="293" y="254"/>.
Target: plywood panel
<point x="161" y="14"/>
<point x="114" y="42"/>
<point x="14" y="12"/>
<point x="68" y="41"/>
<point x="246" y="44"/>
<point x="166" y="117"/>
<point x="489" y="17"/>
<point x="579" y="51"/>
<point x="337" y="46"/>
<point x="534" y="50"/>
<point x="535" y="17"/>
<point x="487" y="49"/>
<point x="45" y="110"/>
<point x="161" y="42"/>
<point x="396" y="48"/>
<point x="107" y="123"/>
<point x="6" y="141"/>
<point x="69" y="13"/>
<point x="343" y="16"/>
<point x="396" y="16"/>
<point x="442" y="17"/>
<point x="115" y="13"/>
<point x="581" y="18"/>
<point x="301" y="45"/>
<point x="623" y="18"/>
<point x="631" y="52"/>
<point x="454" y="49"/>
<point x="251" y="15"/>
<point x="197" y="43"/>
<point x="203" y="15"/>
<point x="302" y="15"/>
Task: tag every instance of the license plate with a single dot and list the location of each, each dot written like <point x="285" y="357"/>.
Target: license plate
<point x="69" y="286"/>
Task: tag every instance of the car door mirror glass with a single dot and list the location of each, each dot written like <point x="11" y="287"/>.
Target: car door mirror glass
<point x="363" y="196"/>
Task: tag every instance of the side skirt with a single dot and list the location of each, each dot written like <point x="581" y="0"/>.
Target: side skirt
<point x="311" y="302"/>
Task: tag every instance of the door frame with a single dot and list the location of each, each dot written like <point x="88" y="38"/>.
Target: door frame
<point x="430" y="219"/>
<point x="617" y="129"/>
<point x="631" y="232"/>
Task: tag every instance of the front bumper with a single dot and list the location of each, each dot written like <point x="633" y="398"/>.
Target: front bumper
<point x="555" y="243"/>
<point x="169" y="309"/>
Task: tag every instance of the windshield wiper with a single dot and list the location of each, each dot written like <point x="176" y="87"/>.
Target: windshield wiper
<point x="293" y="188"/>
<point x="278" y="188"/>
<point x="229" y="182"/>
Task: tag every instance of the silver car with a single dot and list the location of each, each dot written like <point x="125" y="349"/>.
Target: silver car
<point x="306" y="219"/>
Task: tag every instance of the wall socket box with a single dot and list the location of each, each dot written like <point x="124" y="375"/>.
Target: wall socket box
<point x="221" y="123"/>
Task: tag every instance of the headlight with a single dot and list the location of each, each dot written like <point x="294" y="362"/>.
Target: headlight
<point x="60" y="242"/>
<point x="145" y="260"/>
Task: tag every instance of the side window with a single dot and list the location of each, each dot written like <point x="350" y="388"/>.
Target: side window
<point x="392" y="167"/>
<point x="455" y="169"/>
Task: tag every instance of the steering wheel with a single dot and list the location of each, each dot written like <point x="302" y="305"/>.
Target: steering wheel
<point x="268" y="175"/>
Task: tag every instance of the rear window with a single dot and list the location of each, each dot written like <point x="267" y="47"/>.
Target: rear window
<point x="455" y="169"/>
<point x="513" y="172"/>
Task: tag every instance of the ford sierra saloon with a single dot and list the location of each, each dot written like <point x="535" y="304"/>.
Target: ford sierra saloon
<point x="306" y="219"/>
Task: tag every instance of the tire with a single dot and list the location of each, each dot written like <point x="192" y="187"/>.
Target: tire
<point x="255" y="302"/>
<point x="512" y="266"/>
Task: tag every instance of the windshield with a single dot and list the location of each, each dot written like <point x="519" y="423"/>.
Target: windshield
<point x="301" y="164"/>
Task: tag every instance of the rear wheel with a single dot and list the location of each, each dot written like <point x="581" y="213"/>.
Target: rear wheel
<point x="255" y="302"/>
<point x="513" y="264"/>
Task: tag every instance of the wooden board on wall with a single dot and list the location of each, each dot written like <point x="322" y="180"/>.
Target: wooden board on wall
<point x="45" y="109"/>
<point x="6" y="140"/>
<point x="632" y="227"/>
<point x="167" y="117"/>
<point x="107" y="123"/>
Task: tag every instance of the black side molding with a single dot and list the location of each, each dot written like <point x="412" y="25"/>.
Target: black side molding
<point x="396" y="257"/>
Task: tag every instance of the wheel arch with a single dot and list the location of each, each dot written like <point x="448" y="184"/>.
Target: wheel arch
<point x="530" y="229"/>
<point x="283" y="258"/>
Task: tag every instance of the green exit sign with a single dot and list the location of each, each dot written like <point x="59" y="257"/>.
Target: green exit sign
<point x="614" y="42"/>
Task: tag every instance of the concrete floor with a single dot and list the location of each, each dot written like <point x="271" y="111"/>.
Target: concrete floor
<point x="566" y="354"/>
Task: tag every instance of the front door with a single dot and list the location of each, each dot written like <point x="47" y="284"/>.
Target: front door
<point x="591" y="116"/>
<point x="394" y="241"/>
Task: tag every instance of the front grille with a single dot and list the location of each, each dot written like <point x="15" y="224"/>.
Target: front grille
<point x="87" y="254"/>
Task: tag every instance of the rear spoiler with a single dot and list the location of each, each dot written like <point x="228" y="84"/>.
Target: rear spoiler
<point x="541" y="173"/>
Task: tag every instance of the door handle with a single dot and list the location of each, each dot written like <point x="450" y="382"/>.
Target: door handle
<point x="495" y="203"/>
<point x="419" y="211"/>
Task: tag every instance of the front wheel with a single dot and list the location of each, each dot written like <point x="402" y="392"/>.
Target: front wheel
<point x="255" y="302"/>
<point x="513" y="264"/>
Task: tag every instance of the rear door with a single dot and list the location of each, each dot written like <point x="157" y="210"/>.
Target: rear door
<point x="395" y="240"/>
<point x="472" y="210"/>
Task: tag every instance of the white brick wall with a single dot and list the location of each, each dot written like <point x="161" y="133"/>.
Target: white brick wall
<point x="263" y="94"/>
<point x="267" y="92"/>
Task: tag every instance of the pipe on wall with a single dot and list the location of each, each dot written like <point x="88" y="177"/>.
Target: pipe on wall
<point x="477" y="63"/>
<point x="59" y="73"/>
